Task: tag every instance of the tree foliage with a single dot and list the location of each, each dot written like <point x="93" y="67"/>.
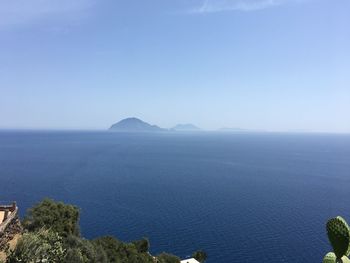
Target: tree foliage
<point x="167" y="258"/>
<point x="200" y="256"/>
<point x="118" y="251"/>
<point x="52" y="235"/>
<point x="41" y="246"/>
<point x="142" y="245"/>
<point x="80" y="250"/>
<point x="57" y="216"/>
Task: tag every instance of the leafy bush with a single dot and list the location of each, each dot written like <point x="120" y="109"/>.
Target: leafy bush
<point x="167" y="258"/>
<point x="57" y="216"/>
<point x="41" y="246"/>
<point x="80" y="250"/>
<point x="142" y="245"/>
<point x="53" y="236"/>
<point x="200" y="256"/>
<point x="118" y="251"/>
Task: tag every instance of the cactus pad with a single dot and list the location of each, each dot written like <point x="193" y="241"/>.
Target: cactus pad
<point x="330" y="258"/>
<point x="339" y="236"/>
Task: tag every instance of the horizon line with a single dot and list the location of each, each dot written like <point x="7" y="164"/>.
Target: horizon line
<point x="219" y="130"/>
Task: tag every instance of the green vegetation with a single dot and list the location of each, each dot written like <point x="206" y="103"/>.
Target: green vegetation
<point x="40" y="246"/>
<point x="118" y="251"/>
<point x="52" y="235"/>
<point x="59" y="217"/>
<point x="142" y="245"/>
<point x="200" y="256"/>
<point x="80" y="250"/>
<point x="167" y="258"/>
<point x="339" y="236"/>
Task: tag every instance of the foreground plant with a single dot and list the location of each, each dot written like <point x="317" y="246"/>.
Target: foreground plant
<point x="338" y="233"/>
<point x="51" y="235"/>
<point x="41" y="246"/>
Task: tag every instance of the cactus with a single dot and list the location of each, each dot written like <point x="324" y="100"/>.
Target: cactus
<point x="339" y="236"/>
<point x="330" y="258"/>
<point x="347" y="226"/>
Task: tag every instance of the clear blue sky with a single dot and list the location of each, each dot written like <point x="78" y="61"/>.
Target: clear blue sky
<point x="276" y="65"/>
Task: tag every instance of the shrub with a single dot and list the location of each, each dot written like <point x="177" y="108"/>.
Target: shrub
<point x="80" y="250"/>
<point x="53" y="236"/>
<point x="41" y="246"/>
<point x="142" y="245"/>
<point x="200" y="256"/>
<point x="167" y="258"/>
<point x="57" y="216"/>
<point x="118" y="251"/>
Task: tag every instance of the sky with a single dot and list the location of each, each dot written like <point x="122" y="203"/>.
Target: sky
<point x="273" y="65"/>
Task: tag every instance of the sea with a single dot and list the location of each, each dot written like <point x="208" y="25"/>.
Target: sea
<point x="240" y="197"/>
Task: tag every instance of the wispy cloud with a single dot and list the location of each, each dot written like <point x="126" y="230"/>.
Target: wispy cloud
<point x="210" y="6"/>
<point x="24" y="12"/>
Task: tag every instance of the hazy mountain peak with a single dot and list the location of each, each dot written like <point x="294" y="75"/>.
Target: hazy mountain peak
<point x="133" y="124"/>
<point x="185" y="127"/>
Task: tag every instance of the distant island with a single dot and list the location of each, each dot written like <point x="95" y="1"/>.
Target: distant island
<point x="134" y="125"/>
<point x="185" y="127"/>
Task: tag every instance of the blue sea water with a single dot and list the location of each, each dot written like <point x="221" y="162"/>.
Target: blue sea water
<point x="241" y="197"/>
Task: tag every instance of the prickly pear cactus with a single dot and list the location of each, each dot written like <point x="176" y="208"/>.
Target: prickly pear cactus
<point x="330" y="258"/>
<point x="339" y="236"/>
<point x="347" y="226"/>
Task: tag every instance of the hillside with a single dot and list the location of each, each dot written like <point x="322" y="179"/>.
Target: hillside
<point x="185" y="127"/>
<point x="134" y="125"/>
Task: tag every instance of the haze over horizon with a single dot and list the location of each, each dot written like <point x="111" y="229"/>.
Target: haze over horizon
<point x="280" y="65"/>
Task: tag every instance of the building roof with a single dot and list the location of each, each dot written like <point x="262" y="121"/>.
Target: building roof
<point x="190" y="260"/>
